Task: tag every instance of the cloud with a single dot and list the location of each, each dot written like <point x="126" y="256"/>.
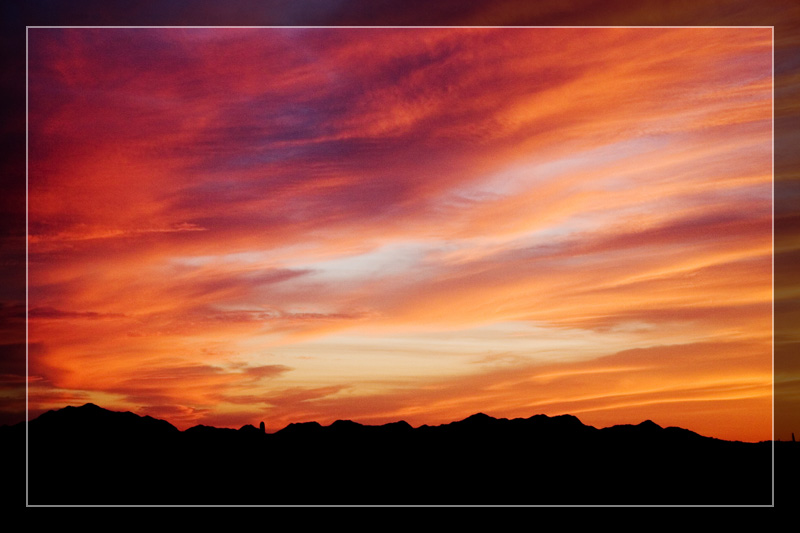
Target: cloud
<point x="266" y="371"/>
<point x="298" y="395"/>
<point x="51" y="313"/>
<point x="204" y="202"/>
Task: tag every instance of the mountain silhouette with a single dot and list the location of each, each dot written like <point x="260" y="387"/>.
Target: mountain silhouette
<point x="92" y="456"/>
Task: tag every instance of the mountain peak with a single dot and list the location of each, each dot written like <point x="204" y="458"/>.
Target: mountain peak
<point x="296" y="428"/>
<point x="650" y="425"/>
<point x="345" y="424"/>
<point x="479" y="417"/>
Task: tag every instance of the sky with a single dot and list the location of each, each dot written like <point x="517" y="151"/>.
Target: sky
<point x="228" y="226"/>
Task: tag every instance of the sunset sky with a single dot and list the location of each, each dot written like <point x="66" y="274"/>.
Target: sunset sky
<point x="234" y="225"/>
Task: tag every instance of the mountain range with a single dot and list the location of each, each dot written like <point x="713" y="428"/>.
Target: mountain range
<point x="92" y="456"/>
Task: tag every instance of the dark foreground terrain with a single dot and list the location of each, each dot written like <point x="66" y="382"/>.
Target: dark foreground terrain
<point x="88" y="455"/>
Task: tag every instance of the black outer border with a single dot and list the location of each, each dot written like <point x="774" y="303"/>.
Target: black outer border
<point x="17" y="15"/>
